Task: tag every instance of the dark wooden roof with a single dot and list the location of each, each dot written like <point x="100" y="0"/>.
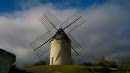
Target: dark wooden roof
<point x="9" y="55"/>
<point x="60" y="34"/>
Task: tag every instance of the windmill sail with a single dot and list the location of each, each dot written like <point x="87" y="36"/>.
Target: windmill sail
<point x="42" y="44"/>
<point x="76" y="48"/>
<point x="73" y="22"/>
<point x="49" y="21"/>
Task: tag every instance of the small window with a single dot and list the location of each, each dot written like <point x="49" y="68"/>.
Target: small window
<point x="52" y="60"/>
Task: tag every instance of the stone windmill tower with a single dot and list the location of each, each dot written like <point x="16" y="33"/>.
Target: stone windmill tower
<point x="63" y="47"/>
<point x="58" y="54"/>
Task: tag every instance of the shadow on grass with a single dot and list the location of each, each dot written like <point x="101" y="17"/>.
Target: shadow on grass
<point x="14" y="69"/>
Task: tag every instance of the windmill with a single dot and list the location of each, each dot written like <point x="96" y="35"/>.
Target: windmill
<point x="63" y="47"/>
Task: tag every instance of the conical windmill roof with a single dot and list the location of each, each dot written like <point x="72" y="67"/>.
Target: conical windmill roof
<point x="60" y="34"/>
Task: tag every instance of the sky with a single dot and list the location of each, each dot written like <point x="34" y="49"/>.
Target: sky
<point x="105" y="33"/>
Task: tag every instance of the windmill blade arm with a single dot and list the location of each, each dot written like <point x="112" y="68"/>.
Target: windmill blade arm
<point x="75" y="25"/>
<point x="42" y="44"/>
<point x="70" y="20"/>
<point x="73" y="22"/>
<point x="49" y="21"/>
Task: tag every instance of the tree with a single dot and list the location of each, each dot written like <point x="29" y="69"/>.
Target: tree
<point x="102" y="62"/>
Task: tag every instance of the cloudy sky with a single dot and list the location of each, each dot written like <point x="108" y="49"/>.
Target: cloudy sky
<point x="105" y="33"/>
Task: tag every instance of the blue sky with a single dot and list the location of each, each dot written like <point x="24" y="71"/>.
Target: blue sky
<point x="12" y="5"/>
<point x="105" y="33"/>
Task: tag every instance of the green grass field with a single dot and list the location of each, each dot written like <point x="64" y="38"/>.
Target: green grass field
<point x="65" y="69"/>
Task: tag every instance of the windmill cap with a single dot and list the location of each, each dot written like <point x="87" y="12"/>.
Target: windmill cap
<point x="60" y="34"/>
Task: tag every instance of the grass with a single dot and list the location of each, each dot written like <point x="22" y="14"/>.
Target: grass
<point x="68" y="68"/>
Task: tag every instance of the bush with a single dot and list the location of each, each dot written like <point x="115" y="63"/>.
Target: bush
<point x="125" y="64"/>
<point x="86" y="64"/>
<point x="101" y="64"/>
<point x="40" y="63"/>
<point x="89" y="64"/>
<point x="112" y="64"/>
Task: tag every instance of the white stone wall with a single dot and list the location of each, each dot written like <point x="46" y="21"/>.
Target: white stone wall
<point x="58" y="55"/>
<point x="5" y="64"/>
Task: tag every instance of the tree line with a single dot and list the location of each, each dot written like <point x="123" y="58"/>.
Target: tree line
<point x="100" y="62"/>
